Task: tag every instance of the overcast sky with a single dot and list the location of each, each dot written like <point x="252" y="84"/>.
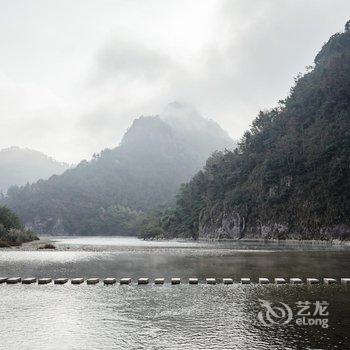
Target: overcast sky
<point x="75" y="73"/>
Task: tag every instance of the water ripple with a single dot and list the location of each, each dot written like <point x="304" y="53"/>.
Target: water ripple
<point x="165" y="317"/>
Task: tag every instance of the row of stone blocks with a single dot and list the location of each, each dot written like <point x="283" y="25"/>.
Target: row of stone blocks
<point x="110" y="280"/>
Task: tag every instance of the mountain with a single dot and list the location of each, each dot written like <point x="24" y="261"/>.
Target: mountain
<point x="290" y="175"/>
<point x="111" y="193"/>
<point x="21" y="165"/>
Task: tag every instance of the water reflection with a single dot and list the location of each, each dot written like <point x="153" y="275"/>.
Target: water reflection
<point x="170" y="262"/>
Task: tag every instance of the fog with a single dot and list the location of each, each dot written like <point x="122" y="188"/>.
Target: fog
<point x="74" y="74"/>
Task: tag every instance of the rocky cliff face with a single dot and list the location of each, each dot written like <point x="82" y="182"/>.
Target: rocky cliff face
<point x="224" y="223"/>
<point x="219" y="222"/>
<point x="47" y="226"/>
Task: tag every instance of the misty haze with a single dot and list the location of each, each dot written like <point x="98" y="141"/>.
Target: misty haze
<point x="175" y="174"/>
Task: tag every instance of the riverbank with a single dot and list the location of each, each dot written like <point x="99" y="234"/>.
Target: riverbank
<point x="41" y="243"/>
<point x="280" y="241"/>
<point x="119" y="243"/>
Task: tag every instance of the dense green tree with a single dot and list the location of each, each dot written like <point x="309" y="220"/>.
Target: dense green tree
<point x="8" y="219"/>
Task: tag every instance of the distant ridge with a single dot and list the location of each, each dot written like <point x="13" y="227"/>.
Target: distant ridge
<point x="21" y="165"/>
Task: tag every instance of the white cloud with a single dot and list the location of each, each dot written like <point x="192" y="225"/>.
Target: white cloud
<point x="74" y="88"/>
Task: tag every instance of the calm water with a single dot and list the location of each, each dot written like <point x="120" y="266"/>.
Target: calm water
<point x="169" y="317"/>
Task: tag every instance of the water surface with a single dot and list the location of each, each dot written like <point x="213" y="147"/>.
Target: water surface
<point x="164" y="317"/>
<point x="169" y="317"/>
<point x="130" y="257"/>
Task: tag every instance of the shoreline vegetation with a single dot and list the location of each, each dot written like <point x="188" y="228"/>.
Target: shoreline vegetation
<point x="12" y="232"/>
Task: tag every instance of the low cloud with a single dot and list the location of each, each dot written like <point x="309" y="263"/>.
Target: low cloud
<point x="128" y="60"/>
<point x="256" y="51"/>
<point x="227" y="58"/>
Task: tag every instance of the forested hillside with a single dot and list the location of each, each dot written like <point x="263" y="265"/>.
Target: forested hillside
<point x="290" y="175"/>
<point x="111" y="193"/>
<point x="21" y="165"/>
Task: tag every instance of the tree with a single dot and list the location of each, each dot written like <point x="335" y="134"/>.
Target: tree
<point x="9" y="219"/>
<point x="347" y="26"/>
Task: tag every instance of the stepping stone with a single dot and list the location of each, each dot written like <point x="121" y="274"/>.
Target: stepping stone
<point x="279" y="280"/>
<point x="92" y="280"/>
<point x="245" y="280"/>
<point x="60" y="281"/>
<point x="159" y="281"/>
<point x="109" y="280"/>
<point x="312" y="281"/>
<point x="77" y="280"/>
<point x="295" y="281"/>
<point x="227" y="281"/>
<point x="125" y="280"/>
<point x="13" y="280"/>
<point x="330" y="281"/>
<point x="211" y="280"/>
<point x="175" y="280"/>
<point x="44" y="280"/>
<point x="193" y="281"/>
<point x="28" y="280"/>
<point x="263" y="280"/>
<point x="345" y="280"/>
<point x="3" y="279"/>
<point x="143" y="280"/>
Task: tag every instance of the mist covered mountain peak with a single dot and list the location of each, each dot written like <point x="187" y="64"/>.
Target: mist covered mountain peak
<point x="179" y="110"/>
<point x="179" y="127"/>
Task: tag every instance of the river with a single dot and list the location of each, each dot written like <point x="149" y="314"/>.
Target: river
<point x="172" y="317"/>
